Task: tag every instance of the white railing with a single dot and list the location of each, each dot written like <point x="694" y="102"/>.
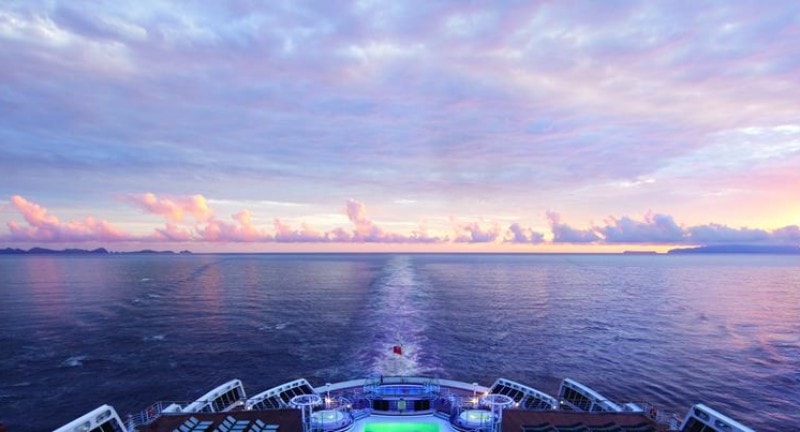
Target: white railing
<point x="149" y="414"/>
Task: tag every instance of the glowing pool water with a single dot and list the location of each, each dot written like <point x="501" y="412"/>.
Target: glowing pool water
<point x="402" y="390"/>
<point x="474" y="418"/>
<point x="401" y="427"/>
<point x="327" y="417"/>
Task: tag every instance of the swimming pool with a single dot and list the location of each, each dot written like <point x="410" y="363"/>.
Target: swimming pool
<point x="401" y="427"/>
<point x="400" y="390"/>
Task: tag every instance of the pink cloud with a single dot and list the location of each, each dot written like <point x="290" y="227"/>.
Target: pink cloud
<point x="42" y="226"/>
<point x="174" y="209"/>
<point x="243" y="230"/>
<point x="172" y="232"/>
<point x="33" y="213"/>
<point x="285" y="233"/>
<point x="365" y="230"/>
<point x="421" y="235"/>
<point x="340" y="235"/>
<point x="45" y="227"/>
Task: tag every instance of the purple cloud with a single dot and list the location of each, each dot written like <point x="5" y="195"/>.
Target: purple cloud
<point x="721" y="234"/>
<point x="522" y="235"/>
<point x="538" y="104"/>
<point x="286" y="234"/>
<point x="473" y="232"/>
<point x="654" y="229"/>
<point x="172" y="232"/>
<point x="787" y="235"/>
<point x="563" y="233"/>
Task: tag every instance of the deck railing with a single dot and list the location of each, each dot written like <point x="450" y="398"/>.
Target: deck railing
<point x="661" y="417"/>
<point x="156" y="410"/>
<point x="149" y="414"/>
<point x="359" y="407"/>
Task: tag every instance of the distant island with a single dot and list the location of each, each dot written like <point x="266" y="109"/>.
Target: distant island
<point x="739" y="249"/>
<point x="712" y="249"/>
<point x="98" y="251"/>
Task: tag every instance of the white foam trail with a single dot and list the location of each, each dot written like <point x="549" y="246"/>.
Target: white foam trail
<point x="396" y="320"/>
<point x="270" y="327"/>
<point x="74" y="361"/>
<point x="406" y="363"/>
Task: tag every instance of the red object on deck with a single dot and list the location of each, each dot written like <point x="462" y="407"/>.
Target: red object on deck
<point x="397" y="349"/>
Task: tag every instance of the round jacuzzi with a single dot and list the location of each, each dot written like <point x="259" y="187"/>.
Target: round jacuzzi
<point x="475" y="418"/>
<point x="329" y="418"/>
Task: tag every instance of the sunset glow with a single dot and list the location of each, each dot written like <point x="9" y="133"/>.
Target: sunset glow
<point x="410" y="126"/>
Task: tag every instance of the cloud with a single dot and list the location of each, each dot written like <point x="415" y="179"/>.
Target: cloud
<point x="654" y="229"/>
<point x="519" y="234"/>
<point x="33" y="213"/>
<point x="190" y="220"/>
<point x="712" y="234"/>
<point x="182" y="210"/>
<point x="242" y="230"/>
<point x="284" y="233"/>
<point x="45" y="227"/>
<point x="421" y="235"/>
<point x="563" y="233"/>
<point x="339" y="235"/>
<point x="365" y="230"/>
<point x="472" y="96"/>
<point x="173" y="233"/>
<point x="474" y="232"/>
<point x="787" y="235"/>
<point x="174" y="209"/>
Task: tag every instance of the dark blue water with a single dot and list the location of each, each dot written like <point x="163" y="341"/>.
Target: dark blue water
<point x="77" y="332"/>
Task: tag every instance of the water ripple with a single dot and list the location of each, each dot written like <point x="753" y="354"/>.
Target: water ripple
<point x="130" y="330"/>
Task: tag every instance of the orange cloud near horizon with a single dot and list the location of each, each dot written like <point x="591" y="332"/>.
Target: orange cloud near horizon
<point x="174" y="209"/>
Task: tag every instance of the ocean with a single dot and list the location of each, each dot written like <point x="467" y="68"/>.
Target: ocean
<point x="128" y="330"/>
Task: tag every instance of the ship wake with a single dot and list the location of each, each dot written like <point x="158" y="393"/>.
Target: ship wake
<point x="397" y="330"/>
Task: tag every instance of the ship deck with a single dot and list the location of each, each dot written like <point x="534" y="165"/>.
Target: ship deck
<point x="239" y="421"/>
<point x="513" y="420"/>
<point x="557" y="421"/>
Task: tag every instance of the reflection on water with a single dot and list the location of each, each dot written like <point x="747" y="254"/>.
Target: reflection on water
<point x="76" y="332"/>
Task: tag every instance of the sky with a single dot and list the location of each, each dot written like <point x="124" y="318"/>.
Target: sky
<point x="506" y="126"/>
